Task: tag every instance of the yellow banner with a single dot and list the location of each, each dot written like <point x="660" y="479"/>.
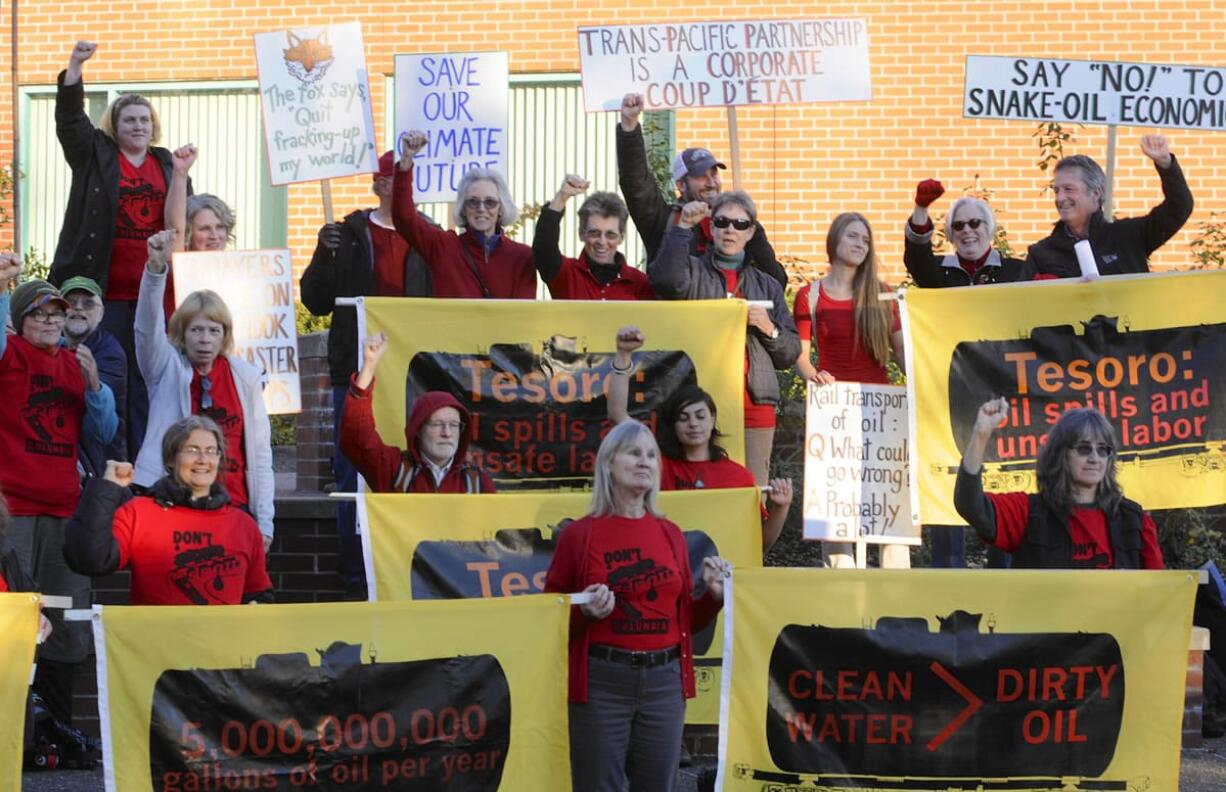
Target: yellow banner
<point x="18" y="630"/>
<point x="343" y="696"/>
<point x="1148" y="351"/>
<point x="532" y="374"/>
<point x="929" y="679"/>
<point x="448" y="546"/>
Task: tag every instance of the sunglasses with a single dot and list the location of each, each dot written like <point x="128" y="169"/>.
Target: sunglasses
<point x="1084" y="449"/>
<point x="739" y="224"/>
<point x="490" y="204"/>
<point x="958" y="225"/>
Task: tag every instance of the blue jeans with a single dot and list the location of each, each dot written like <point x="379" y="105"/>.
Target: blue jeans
<point x="348" y="544"/>
<point x="629" y="729"/>
<point x="119" y="320"/>
<point x="947" y="544"/>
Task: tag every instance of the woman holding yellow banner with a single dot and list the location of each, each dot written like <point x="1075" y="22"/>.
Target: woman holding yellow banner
<point x="631" y="659"/>
<point x="1079" y="518"/>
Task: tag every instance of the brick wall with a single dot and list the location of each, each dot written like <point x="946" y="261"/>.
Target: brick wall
<point x="313" y="433"/>
<point x="802" y="163"/>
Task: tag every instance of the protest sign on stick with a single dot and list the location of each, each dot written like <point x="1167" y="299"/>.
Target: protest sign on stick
<point x="460" y="101"/>
<point x="715" y="64"/>
<point x="258" y="288"/>
<point x="315" y="97"/>
<point x="856" y="464"/>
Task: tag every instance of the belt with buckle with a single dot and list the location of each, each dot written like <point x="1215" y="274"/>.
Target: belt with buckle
<point x="636" y="659"/>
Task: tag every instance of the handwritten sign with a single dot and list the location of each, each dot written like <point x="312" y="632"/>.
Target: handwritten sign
<point x="856" y="464"/>
<point x="258" y="288"/>
<point x="1095" y="92"/>
<point x="460" y="101"/>
<point x="711" y="64"/>
<point x="316" y="101"/>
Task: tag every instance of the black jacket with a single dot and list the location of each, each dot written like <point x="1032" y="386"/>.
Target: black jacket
<point x="932" y="271"/>
<point x="1122" y="246"/>
<point x="676" y="274"/>
<point x="1046" y="543"/>
<point x="113" y="371"/>
<point x="653" y="216"/>
<point x="88" y="233"/>
<point x="349" y="271"/>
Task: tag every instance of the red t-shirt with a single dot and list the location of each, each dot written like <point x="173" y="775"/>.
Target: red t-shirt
<point x="1087" y="527"/>
<point x="227" y="411"/>
<point x="633" y="558"/>
<point x="575" y="281"/>
<point x="682" y="474"/>
<point x="4" y="586"/>
<point x="757" y="416"/>
<point x="44" y="398"/>
<point x="141" y="214"/>
<point x="389" y="252"/>
<point x="182" y="556"/>
<point x="838" y="349"/>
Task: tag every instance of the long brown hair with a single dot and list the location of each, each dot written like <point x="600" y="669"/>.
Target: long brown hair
<point x="873" y="319"/>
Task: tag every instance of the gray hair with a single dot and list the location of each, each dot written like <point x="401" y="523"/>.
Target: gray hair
<point x="985" y="212"/>
<point x="201" y="201"/>
<point x="178" y="432"/>
<point x="737" y="198"/>
<point x="624" y="434"/>
<point x="1091" y="174"/>
<point x="604" y="204"/>
<point x="508" y="212"/>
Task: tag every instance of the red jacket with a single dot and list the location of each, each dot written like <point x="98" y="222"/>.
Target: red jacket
<point x="388" y="469"/>
<point x="568" y="573"/>
<point x="507" y="272"/>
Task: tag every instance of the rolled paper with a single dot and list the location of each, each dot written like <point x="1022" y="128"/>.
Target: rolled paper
<point x="1085" y="259"/>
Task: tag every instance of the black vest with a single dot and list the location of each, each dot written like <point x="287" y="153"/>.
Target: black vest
<point x="1047" y="544"/>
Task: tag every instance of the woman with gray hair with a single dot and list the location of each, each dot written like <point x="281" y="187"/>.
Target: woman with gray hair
<point x="202" y="221"/>
<point x="183" y="540"/>
<point x="631" y="659"/>
<point x="481" y="262"/>
<point x="970" y="226"/>
<point x="724" y="270"/>
<point x="1078" y="519"/>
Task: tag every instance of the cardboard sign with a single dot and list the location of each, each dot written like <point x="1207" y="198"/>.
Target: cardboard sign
<point x="316" y="101"/>
<point x="460" y="101"/>
<point x="713" y="64"/>
<point x="1095" y="92"/>
<point x="258" y="288"/>
<point x="1017" y="679"/>
<point x="856" y="460"/>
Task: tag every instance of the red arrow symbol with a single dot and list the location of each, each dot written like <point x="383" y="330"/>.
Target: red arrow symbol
<point x="972" y="706"/>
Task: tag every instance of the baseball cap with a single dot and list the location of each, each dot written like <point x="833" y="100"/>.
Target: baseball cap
<point x="81" y="283"/>
<point x="694" y="162"/>
<point x="387" y="166"/>
<point x="30" y="295"/>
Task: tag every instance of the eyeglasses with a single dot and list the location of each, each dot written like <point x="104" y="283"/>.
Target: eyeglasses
<point x="47" y="317"/>
<point x="1084" y="449"/>
<point x="212" y="452"/>
<point x="740" y="224"/>
<point x="974" y="223"/>
<point x="206" y="393"/>
<point x="593" y="234"/>
<point x="490" y="204"/>
<point x="438" y="426"/>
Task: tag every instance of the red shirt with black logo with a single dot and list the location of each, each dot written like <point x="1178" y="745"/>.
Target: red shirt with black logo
<point x="388" y="250"/>
<point x="44" y="400"/>
<point x="184" y="556"/>
<point x="141" y="214"/>
<point x="1087" y="527"/>
<point x="227" y="411"/>
<point x="632" y="557"/>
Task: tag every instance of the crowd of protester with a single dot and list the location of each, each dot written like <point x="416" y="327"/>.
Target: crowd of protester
<point x="132" y="418"/>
